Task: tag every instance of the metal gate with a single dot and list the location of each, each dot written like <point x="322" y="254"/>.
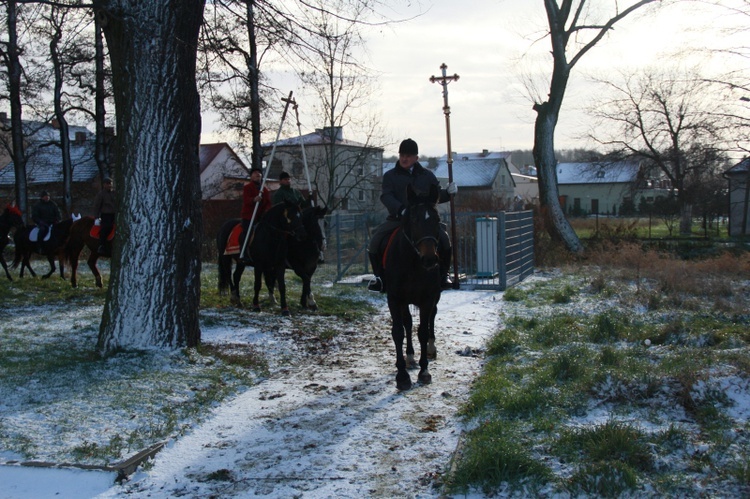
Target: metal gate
<point x="495" y="250"/>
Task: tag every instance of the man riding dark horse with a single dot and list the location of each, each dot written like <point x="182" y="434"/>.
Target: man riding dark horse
<point x="407" y="171"/>
<point x="44" y="214"/>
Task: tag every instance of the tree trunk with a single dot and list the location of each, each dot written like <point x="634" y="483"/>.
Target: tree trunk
<point x="558" y="226"/>
<point x="101" y="153"/>
<point x="256" y="146"/>
<point x="686" y="219"/>
<point x="154" y="291"/>
<point x="16" y="122"/>
<point x="57" y="95"/>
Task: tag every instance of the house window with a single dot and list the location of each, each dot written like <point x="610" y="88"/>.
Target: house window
<point x="361" y="195"/>
<point x="600" y="174"/>
<point x="595" y="206"/>
<point x="360" y="170"/>
<point x="502" y="179"/>
<point x="297" y="168"/>
<point x="345" y="204"/>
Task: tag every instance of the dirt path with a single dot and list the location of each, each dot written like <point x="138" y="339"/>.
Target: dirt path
<point x="335" y="427"/>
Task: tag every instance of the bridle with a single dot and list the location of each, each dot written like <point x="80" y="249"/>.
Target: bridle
<point x="415" y="245"/>
<point x="294" y="232"/>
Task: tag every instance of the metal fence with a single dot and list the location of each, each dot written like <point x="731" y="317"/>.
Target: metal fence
<point x="495" y="250"/>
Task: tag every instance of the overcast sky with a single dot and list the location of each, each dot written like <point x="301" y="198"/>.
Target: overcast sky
<point x="489" y="44"/>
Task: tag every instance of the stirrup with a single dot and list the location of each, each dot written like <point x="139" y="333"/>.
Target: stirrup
<point x="376" y="284"/>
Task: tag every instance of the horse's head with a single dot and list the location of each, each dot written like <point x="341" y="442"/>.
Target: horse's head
<point x="421" y="225"/>
<point x="311" y="219"/>
<point x="292" y="220"/>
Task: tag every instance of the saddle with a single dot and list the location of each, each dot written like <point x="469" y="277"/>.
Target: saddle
<point x="236" y="239"/>
<point x="389" y="241"/>
<point x="34" y="235"/>
<point x="97" y="228"/>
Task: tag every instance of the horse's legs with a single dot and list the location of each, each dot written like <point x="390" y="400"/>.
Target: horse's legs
<point x="426" y="314"/>
<point x="403" y="380"/>
<point x="270" y="286"/>
<point x="234" y="285"/>
<point x="93" y="257"/>
<point x="52" y="267"/>
<point x="408" y="327"/>
<point x="257" y="284"/>
<point x="26" y="263"/>
<point x="5" y="268"/>
<point x="282" y="289"/>
<point x="74" y="271"/>
<point x="307" y="300"/>
<point x="61" y="261"/>
<point x="431" y="348"/>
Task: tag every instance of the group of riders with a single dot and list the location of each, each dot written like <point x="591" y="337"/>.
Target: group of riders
<point x="257" y="199"/>
<point x="407" y="171"/>
<point x="46" y="213"/>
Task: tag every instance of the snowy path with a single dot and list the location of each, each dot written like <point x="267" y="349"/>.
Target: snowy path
<point x="336" y="427"/>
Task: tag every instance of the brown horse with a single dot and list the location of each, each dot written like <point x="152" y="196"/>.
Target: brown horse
<point x="80" y="236"/>
<point x="51" y="249"/>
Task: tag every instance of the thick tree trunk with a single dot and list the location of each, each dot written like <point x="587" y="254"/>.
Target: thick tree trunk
<point x="154" y="290"/>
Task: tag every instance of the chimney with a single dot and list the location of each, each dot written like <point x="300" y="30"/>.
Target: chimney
<point x="485" y="152"/>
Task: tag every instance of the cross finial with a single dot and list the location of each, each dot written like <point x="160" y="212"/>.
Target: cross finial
<point x="443" y="80"/>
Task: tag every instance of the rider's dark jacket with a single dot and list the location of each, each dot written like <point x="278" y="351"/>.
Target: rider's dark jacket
<point x="395" y="181"/>
<point x="45" y="212"/>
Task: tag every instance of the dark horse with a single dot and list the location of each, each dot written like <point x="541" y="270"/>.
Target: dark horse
<point x="80" y="236"/>
<point x="51" y="249"/>
<point x="269" y="243"/>
<point x="412" y="276"/>
<point x="11" y="218"/>
<point x="303" y="255"/>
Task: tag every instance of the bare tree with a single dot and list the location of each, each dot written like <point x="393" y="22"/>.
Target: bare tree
<point x="154" y="292"/>
<point x="235" y="36"/>
<point x="572" y="34"/>
<point x="68" y="52"/>
<point x="670" y="120"/>
<point x="342" y="85"/>
<point x="10" y="54"/>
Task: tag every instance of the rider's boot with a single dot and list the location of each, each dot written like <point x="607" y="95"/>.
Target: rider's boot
<point x="376" y="284"/>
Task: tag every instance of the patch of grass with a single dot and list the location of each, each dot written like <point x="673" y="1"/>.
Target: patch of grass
<point x="564" y="295"/>
<point x="604" y="479"/>
<point x="559" y="330"/>
<point x="496" y="453"/>
<point x="608" y="326"/>
<point x="613" y="441"/>
<point x="514" y="294"/>
<point x="656" y="365"/>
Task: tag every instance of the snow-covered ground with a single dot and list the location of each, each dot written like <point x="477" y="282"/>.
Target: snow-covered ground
<point x="332" y="427"/>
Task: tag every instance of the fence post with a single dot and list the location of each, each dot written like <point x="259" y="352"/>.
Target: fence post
<point x="337" y="217"/>
<point x="501" y="252"/>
